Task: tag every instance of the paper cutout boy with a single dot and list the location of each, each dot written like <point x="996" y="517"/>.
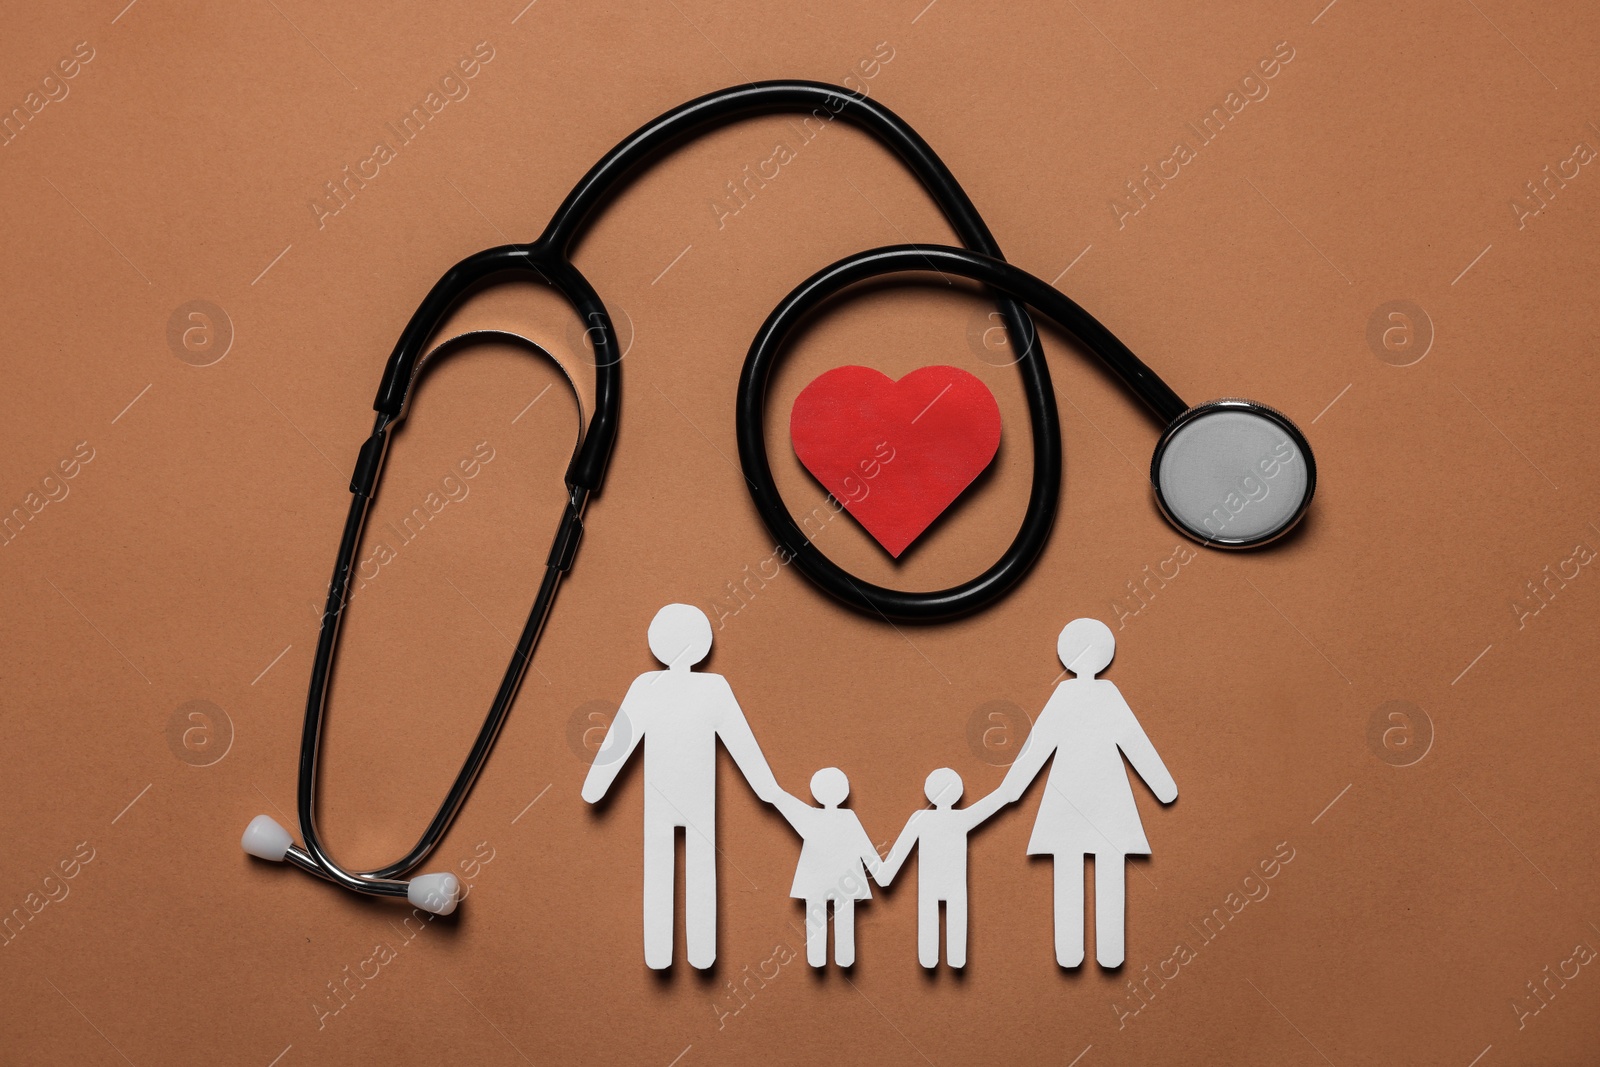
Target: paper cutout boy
<point x="941" y="835"/>
<point x="833" y="865"/>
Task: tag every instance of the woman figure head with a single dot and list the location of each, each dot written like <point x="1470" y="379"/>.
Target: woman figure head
<point x="1086" y="647"/>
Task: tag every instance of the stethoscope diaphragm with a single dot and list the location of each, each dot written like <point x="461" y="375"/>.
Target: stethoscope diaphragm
<point x="1233" y="473"/>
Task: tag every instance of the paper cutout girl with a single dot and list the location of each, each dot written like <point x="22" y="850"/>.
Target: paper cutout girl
<point x="940" y="835"/>
<point x="1088" y="805"/>
<point x="832" y="868"/>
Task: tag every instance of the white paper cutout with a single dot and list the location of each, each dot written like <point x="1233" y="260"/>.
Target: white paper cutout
<point x="833" y="866"/>
<point x="1088" y="806"/>
<point x="680" y="714"/>
<point x="940" y="836"/>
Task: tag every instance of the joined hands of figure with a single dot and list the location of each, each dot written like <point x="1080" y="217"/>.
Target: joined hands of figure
<point x="785" y="802"/>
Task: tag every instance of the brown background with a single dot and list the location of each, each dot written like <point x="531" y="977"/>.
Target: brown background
<point x="189" y="559"/>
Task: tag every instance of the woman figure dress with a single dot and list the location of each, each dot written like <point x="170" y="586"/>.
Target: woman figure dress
<point x="1088" y="806"/>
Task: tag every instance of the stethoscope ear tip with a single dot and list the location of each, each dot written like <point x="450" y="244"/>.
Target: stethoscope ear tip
<point x="438" y="893"/>
<point x="265" y="838"/>
<point x="1233" y="473"/>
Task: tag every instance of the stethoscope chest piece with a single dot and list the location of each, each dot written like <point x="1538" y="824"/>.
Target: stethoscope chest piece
<point x="1233" y="473"/>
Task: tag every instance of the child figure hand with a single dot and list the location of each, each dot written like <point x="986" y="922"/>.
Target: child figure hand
<point x="788" y="805"/>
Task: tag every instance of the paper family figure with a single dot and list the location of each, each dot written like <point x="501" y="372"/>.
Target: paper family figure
<point x="833" y="865"/>
<point x="940" y="836"/>
<point x="1087" y="808"/>
<point x="679" y="715"/>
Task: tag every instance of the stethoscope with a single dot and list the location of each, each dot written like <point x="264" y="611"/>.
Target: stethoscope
<point x="1229" y="473"/>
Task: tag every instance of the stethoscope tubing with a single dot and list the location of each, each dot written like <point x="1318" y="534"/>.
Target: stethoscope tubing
<point x="1044" y="419"/>
<point x="550" y="255"/>
<point x="314" y="857"/>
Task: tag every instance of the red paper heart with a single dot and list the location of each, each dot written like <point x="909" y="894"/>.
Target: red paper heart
<point x="895" y="453"/>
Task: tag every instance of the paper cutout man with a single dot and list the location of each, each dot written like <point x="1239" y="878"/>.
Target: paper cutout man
<point x="679" y="715"/>
<point x="940" y="835"/>
<point x="1088" y="805"/>
<point x="833" y="863"/>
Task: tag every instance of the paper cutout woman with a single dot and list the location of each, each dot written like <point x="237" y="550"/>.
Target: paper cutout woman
<point x="833" y="865"/>
<point x="940" y="835"/>
<point x="1088" y="805"/>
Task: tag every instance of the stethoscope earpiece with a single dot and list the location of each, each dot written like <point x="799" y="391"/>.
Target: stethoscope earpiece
<point x="266" y="839"/>
<point x="1233" y="473"/>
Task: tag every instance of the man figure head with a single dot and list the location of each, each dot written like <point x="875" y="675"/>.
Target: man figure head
<point x="680" y="636"/>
